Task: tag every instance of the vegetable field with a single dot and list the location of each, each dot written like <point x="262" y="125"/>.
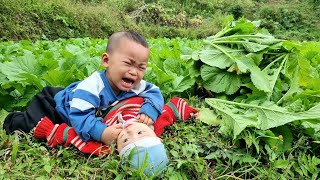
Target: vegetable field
<point x="258" y="97"/>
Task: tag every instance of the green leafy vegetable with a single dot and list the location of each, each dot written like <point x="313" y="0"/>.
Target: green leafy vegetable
<point x="237" y="116"/>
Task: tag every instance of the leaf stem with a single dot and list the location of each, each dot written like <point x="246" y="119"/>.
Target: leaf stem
<point x="244" y="36"/>
<point x="219" y="48"/>
<point x="269" y="65"/>
<point x="243" y="104"/>
<point x="275" y="76"/>
<point x="220" y="42"/>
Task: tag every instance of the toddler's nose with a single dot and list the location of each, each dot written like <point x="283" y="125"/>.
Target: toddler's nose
<point x="133" y="71"/>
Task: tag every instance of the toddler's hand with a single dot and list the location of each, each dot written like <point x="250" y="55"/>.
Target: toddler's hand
<point x="143" y="118"/>
<point x="196" y="116"/>
<point x="110" y="134"/>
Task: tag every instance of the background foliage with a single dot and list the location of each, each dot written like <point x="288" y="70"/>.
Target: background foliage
<point x="258" y="93"/>
<point x="53" y="19"/>
<point x="258" y="98"/>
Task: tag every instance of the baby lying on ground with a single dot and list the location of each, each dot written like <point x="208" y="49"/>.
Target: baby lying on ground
<point x="137" y="139"/>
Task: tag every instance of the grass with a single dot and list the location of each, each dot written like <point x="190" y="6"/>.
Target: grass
<point x="23" y="156"/>
<point x="195" y="151"/>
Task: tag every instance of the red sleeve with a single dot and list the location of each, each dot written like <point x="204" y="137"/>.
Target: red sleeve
<point x="176" y="109"/>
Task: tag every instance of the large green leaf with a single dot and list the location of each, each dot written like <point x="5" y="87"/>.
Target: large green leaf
<point x="34" y="80"/>
<point x="219" y="56"/>
<point x="209" y="117"/>
<point x="161" y="75"/>
<point x="264" y="39"/>
<point x="74" y="49"/>
<point x="218" y="80"/>
<point x="253" y="47"/>
<point x="237" y="116"/>
<point x="312" y="128"/>
<point x="258" y="78"/>
<point x="180" y="83"/>
<point x="215" y="58"/>
<point x="50" y="63"/>
<point x="60" y="78"/>
<point x="23" y="64"/>
<point x="172" y="66"/>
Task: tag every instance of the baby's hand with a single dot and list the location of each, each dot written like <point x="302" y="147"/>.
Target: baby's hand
<point x="110" y="134"/>
<point x="143" y="118"/>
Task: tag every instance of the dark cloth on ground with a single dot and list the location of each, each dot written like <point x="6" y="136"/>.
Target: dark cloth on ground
<point x="41" y="105"/>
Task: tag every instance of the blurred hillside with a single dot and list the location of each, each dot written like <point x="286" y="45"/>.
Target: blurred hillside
<point x="53" y="19"/>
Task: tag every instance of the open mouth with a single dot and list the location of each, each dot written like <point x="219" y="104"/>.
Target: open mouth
<point x="127" y="82"/>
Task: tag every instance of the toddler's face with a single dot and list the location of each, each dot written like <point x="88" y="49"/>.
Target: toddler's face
<point x="133" y="131"/>
<point x="126" y="65"/>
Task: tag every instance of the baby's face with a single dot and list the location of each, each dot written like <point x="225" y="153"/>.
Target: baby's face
<point x="133" y="131"/>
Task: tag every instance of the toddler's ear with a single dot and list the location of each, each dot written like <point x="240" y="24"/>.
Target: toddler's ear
<point x="105" y="59"/>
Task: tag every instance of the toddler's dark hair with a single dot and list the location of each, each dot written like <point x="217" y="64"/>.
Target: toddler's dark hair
<point x="132" y="35"/>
